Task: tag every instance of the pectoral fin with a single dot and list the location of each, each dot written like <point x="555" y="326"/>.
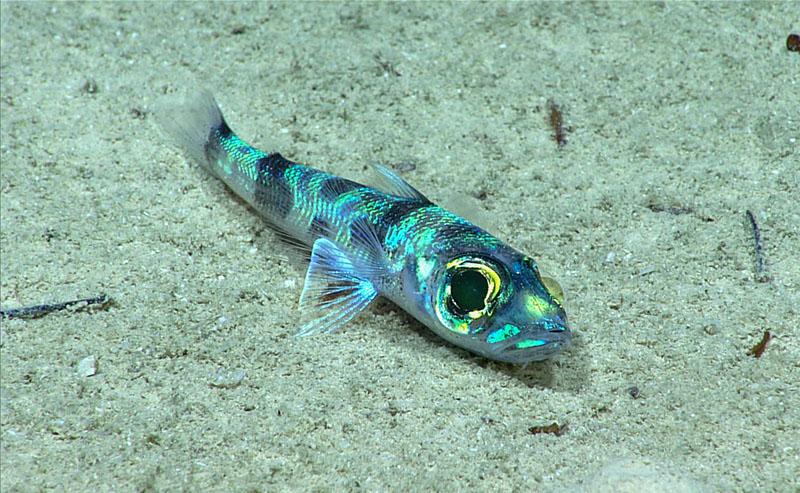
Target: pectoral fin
<point x="334" y="291"/>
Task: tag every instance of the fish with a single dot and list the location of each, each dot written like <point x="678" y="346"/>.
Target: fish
<point x="384" y="240"/>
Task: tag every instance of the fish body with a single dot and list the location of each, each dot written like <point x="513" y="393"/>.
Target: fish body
<point x="389" y="240"/>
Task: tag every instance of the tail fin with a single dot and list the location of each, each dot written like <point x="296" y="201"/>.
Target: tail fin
<point x="191" y="123"/>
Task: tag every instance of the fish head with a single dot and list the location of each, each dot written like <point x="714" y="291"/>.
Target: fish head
<point x="497" y="305"/>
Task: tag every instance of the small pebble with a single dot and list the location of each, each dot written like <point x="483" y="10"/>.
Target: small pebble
<point x="793" y="42"/>
<point x="405" y="166"/>
<point x="90" y="86"/>
<point x="647" y="270"/>
<point x="87" y="366"/>
<point x="226" y="380"/>
<point x="615" y="301"/>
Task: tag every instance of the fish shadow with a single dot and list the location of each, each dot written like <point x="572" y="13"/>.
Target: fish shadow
<point x="565" y="372"/>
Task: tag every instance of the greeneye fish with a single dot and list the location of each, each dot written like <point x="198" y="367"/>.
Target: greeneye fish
<point x="388" y="240"/>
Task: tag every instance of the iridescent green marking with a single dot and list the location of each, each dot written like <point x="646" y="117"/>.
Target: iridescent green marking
<point x="537" y="306"/>
<point x="530" y="343"/>
<point x="241" y="155"/>
<point x="505" y="332"/>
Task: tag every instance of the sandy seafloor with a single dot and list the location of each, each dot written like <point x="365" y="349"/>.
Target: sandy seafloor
<point x="680" y="118"/>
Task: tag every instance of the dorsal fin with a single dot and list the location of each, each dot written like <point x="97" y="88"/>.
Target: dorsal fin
<point x="388" y="182"/>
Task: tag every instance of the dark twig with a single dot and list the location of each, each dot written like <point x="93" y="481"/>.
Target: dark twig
<point x="37" y="310"/>
<point x="557" y="123"/>
<point x="759" y="249"/>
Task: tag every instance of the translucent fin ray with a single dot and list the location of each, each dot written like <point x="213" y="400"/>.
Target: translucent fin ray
<point x="388" y="182"/>
<point x="190" y="121"/>
<point x="333" y="289"/>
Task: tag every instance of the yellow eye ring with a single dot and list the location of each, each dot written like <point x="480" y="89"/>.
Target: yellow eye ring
<point x="472" y="286"/>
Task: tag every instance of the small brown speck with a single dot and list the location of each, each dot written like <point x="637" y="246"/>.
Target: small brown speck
<point x="152" y="440"/>
<point x="553" y="429"/>
<point x="793" y="42"/>
<point x="759" y="348"/>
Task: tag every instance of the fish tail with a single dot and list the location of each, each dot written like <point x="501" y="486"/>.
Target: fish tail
<point x="196" y="124"/>
<point x="193" y="124"/>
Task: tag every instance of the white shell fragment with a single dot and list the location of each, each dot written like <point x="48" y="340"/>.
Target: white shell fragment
<point x="226" y="379"/>
<point x="87" y="366"/>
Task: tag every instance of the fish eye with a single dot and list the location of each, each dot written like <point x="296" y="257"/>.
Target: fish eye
<point x="468" y="290"/>
<point x="473" y="285"/>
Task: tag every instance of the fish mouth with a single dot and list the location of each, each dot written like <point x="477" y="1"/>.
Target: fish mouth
<point x="541" y="341"/>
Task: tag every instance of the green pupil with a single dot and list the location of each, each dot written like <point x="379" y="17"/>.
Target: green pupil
<point x="468" y="289"/>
